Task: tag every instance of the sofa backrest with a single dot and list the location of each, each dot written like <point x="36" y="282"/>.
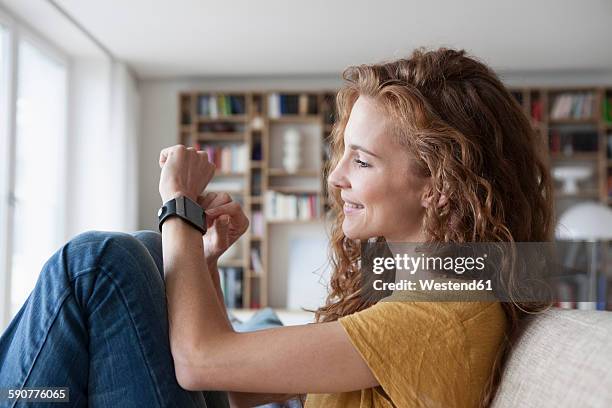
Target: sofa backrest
<point x="563" y="358"/>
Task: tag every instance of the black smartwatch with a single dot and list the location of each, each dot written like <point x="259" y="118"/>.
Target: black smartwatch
<point x="185" y="208"/>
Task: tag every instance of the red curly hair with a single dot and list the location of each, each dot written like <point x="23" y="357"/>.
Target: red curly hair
<point x="471" y="137"/>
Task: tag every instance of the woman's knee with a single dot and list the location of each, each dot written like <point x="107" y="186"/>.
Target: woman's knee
<point x="119" y="254"/>
<point x="152" y="240"/>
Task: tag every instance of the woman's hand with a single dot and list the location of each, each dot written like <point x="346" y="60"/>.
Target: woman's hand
<point x="185" y="171"/>
<point x="225" y="222"/>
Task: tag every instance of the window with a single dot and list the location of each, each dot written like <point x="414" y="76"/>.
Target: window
<point x="40" y="133"/>
<point x="4" y="171"/>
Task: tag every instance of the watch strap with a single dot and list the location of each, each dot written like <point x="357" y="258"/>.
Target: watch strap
<point x="186" y="209"/>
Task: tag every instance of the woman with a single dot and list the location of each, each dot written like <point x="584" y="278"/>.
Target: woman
<point x="426" y="149"/>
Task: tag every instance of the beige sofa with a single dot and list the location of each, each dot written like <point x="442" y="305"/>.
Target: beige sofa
<point x="563" y="358"/>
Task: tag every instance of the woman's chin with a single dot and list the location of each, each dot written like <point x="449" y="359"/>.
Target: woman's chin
<point x="354" y="233"/>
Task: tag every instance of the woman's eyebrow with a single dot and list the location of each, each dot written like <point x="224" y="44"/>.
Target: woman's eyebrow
<point x="357" y="147"/>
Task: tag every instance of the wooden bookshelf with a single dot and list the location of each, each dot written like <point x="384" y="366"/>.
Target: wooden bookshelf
<point x="247" y="119"/>
<point x="579" y="133"/>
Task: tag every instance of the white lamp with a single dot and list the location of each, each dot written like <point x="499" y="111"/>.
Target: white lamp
<point x="587" y="221"/>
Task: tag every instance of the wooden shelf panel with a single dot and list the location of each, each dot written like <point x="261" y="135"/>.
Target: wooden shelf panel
<point x="222" y="118"/>
<point x="293" y="190"/>
<point x="253" y="275"/>
<point x="575" y="156"/>
<point x="573" y="121"/>
<point x="302" y="173"/>
<point x="288" y="221"/>
<point x="221" y="136"/>
<point x="297" y="118"/>
<point x="229" y="174"/>
<point x="214" y="190"/>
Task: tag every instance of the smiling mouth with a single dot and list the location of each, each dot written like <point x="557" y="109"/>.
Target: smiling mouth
<point x="352" y="206"/>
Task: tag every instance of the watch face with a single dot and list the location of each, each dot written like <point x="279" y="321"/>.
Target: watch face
<point x="161" y="211"/>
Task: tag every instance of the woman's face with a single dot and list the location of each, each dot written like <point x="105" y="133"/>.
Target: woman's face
<point x="382" y="195"/>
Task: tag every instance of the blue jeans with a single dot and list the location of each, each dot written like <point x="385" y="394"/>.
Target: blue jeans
<point x="96" y="322"/>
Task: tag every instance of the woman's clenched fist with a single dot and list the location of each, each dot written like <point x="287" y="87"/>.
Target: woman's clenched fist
<point x="184" y="171"/>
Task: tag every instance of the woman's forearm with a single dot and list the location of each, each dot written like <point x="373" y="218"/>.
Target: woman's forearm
<point x="196" y="316"/>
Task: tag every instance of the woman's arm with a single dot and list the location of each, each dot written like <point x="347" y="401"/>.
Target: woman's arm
<point x="209" y="355"/>
<point x="207" y="352"/>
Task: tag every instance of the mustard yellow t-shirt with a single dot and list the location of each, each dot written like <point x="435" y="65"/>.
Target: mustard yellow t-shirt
<point x="423" y="353"/>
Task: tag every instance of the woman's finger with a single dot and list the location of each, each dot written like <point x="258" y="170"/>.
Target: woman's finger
<point x="205" y="200"/>
<point x="220" y="199"/>
<point x="229" y="208"/>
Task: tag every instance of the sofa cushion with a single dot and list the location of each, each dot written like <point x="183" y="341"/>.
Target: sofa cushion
<point x="562" y="358"/>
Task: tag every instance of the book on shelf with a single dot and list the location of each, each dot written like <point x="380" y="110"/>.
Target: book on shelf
<point x="280" y="104"/>
<point x="231" y="285"/>
<point x="573" y="106"/>
<point x="214" y="105"/>
<point x="256" y="261"/>
<point x="257" y="223"/>
<point x="606" y="111"/>
<point x="227" y="158"/>
<point x="299" y="206"/>
<point x="537" y="110"/>
<point x="256" y="179"/>
<point x="256" y="153"/>
<point x="574" y="141"/>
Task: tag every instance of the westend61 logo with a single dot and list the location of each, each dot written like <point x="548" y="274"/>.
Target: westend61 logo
<point x="412" y="264"/>
<point x="543" y="272"/>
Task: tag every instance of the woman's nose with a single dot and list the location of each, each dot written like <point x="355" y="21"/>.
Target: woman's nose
<point x="337" y="178"/>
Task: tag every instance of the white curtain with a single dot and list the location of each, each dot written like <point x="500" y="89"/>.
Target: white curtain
<point x="103" y="166"/>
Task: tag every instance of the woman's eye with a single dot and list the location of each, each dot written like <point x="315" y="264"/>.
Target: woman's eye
<point x="361" y="163"/>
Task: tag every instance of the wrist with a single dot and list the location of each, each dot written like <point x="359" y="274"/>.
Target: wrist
<point x="174" y="194"/>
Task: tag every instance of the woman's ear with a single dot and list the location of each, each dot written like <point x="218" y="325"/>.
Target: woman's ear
<point x="428" y="198"/>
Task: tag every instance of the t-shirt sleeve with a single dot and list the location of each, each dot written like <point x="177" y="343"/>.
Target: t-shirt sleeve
<point x="416" y="351"/>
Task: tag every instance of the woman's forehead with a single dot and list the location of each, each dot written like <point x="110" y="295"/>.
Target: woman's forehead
<point x="367" y="125"/>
